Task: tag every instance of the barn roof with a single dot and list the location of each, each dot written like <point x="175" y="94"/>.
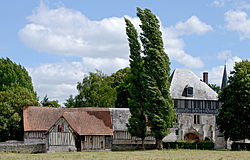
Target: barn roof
<point x="181" y="78"/>
<point x="119" y="118"/>
<point x="84" y="121"/>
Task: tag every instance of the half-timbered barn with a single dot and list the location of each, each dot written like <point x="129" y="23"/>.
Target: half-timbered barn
<point x="68" y="129"/>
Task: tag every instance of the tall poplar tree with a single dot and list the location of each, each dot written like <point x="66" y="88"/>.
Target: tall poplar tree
<point x="137" y="121"/>
<point x="159" y="105"/>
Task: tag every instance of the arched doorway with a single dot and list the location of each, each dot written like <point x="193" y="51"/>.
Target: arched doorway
<point x="189" y="137"/>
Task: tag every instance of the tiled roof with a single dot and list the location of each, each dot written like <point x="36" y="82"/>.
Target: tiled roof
<point x="84" y="121"/>
<point x="182" y="78"/>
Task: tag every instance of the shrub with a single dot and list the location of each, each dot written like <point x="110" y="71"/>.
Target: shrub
<point x="205" y="145"/>
<point x="236" y="146"/>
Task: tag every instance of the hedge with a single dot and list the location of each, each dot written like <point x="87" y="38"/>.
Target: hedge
<point x="236" y="146"/>
<point x="205" y="145"/>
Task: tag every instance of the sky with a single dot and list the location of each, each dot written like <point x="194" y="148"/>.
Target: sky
<point x="61" y="41"/>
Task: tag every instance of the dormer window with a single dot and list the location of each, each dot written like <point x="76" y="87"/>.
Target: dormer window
<point x="188" y="91"/>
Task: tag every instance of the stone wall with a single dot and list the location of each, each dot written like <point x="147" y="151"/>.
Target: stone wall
<point x="20" y="146"/>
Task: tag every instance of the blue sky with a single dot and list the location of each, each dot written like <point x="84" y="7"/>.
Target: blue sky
<point x="60" y="41"/>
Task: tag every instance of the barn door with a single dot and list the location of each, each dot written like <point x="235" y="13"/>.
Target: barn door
<point x="78" y="143"/>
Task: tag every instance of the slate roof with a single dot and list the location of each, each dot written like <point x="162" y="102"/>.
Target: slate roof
<point x="84" y="121"/>
<point x="119" y="118"/>
<point x="181" y="78"/>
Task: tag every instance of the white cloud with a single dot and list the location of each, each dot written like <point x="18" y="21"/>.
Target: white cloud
<point x="59" y="80"/>
<point x="224" y="55"/>
<point x="69" y="32"/>
<point x="175" y="45"/>
<point x="192" y="26"/>
<point x="238" y="21"/>
<point x="219" y="3"/>
<point x="101" y="45"/>
<point x="216" y="73"/>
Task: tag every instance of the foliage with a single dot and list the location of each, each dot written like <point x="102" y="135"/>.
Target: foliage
<point x="118" y="77"/>
<point x="70" y="102"/>
<point x="214" y="87"/>
<point x="207" y="145"/>
<point x="12" y="102"/>
<point x="137" y="122"/>
<point x="159" y="105"/>
<point x="13" y="76"/>
<point x="122" y="94"/>
<point x="47" y="103"/>
<point x="95" y="91"/>
<point x="236" y="146"/>
<point x="121" y="85"/>
<point x="234" y="118"/>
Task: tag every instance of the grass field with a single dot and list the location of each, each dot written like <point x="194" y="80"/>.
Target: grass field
<point x="138" y="155"/>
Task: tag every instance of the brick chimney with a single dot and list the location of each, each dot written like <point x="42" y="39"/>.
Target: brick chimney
<point x="205" y="77"/>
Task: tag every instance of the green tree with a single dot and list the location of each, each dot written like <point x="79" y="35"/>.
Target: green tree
<point x="214" y="87"/>
<point x="47" y="103"/>
<point x="95" y="91"/>
<point x="12" y="102"/>
<point x="234" y="118"/>
<point x="70" y="102"/>
<point x="137" y="122"/>
<point x="118" y="77"/>
<point x="13" y="76"/>
<point x="159" y="105"/>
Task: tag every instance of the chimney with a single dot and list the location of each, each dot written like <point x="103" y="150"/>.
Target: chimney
<point x="205" y="77"/>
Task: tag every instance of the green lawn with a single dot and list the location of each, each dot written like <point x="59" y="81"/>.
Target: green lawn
<point x="138" y="155"/>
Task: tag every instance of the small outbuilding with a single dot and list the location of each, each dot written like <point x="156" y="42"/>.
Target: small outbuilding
<point x="68" y="129"/>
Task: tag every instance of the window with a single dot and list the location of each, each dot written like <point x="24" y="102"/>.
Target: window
<point x="175" y="103"/>
<point x="177" y="132"/>
<point x="186" y="103"/>
<point x="188" y="91"/>
<point x="59" y="128"/>
<point x="196" y="119"/>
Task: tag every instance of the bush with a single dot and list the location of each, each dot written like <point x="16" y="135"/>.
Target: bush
<point x="236" y="146"/>
<point x="205" y="145"/>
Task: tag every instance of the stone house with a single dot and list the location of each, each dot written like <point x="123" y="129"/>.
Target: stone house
<point x="68" y="129"/>
<point x="196" y="105"/>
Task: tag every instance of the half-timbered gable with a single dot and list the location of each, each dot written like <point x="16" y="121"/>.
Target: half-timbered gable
<point x="61" y="136"/>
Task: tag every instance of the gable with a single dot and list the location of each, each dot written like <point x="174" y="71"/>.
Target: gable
<point x="61" y="126"/>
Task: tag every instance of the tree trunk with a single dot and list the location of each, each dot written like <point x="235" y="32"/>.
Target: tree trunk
<point x="142" y="143"/>
<point x="159" y="145"/>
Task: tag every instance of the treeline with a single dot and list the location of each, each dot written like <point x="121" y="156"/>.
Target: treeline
<point x="100" y="90"/>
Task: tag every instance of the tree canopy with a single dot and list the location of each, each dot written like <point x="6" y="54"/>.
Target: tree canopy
<point x="48" y="103"/>
<point x="13" y="76"/>
<point x="234" y="118"/>
<point x="16" y="91"/>
<point x="95" y="90"/>
<point x="12" y="102"/>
